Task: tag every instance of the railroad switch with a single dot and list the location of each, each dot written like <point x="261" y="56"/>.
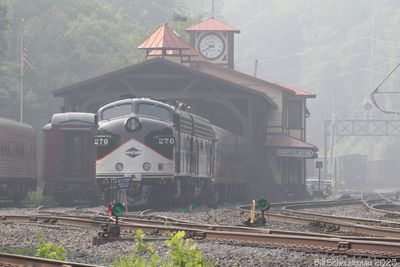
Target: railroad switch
<point x="195" y="235"/>
<point x="109" y="230"/>
<point x="343" y="245"/>
<point x="255" y="219"/>
<point x="258" y="221"/>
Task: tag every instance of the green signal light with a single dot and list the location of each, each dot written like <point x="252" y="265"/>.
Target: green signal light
<point x="118" y="209"/>
<point x="263" y="204"/>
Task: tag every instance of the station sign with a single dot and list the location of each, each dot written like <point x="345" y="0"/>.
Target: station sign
<point x="295" y="153"/>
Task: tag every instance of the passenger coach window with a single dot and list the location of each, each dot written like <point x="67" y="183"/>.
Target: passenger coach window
<point x="116" y="111"/>
<point x="154" y="110"/>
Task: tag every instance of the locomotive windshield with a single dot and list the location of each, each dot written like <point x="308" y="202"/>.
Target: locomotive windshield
<point x="145" y="108"/>
<point x="154" y="110"/>
<point x="117" y="110"/>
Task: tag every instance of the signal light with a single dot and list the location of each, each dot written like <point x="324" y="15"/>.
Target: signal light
<point x="118" y="209"/>
<point x="263" y="204"/>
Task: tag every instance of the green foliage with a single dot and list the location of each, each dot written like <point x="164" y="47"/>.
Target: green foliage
<point x="145" y="254"/>
<point x="150" y="12"/>
<point x="36" y="198"/>
<point x="48" y="250"/>
<point x="184" y="252"/>
<point x="181" y="253"/>
<point x="4" y="23"/>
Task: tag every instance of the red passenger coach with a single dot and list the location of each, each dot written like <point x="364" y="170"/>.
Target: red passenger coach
<point x="70" y="157"/>
<point x="17" y="160"/>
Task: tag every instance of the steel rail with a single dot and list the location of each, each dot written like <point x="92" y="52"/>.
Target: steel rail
<point x="294" y="210"/>
<point x="345" y="224"/>
<point x="381" y="209"/>
<point x="20" y="260"/>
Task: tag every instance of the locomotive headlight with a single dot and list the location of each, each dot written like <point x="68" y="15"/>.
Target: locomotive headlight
<point x="132" y="124"/>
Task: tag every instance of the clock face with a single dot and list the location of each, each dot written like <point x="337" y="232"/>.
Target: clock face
<point x="211" y="46"/>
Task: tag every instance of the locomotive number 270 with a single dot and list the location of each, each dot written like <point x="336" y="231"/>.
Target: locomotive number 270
<point x="101" y="140"/>
<point x="166" y="140"/>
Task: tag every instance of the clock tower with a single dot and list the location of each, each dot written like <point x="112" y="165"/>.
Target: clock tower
<point x="214" y="40"/>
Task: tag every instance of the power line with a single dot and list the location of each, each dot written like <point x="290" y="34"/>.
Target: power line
<point x="332" y="76"/>
<point x="315" y="65"/>
<point x="316" y="48"/>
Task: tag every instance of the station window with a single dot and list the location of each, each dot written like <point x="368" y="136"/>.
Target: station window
<point x="295" y="114"/>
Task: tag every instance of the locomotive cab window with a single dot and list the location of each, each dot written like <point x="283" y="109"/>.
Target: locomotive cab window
<point x="116" y="111"/>
<point x="153" y="110"/>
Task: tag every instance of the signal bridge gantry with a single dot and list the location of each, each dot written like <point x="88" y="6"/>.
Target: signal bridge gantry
<point x="357" y="127"/>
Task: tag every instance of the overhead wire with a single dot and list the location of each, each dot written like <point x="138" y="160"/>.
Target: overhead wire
<point x="376" y="91"/>
<point x="314" y="49"/>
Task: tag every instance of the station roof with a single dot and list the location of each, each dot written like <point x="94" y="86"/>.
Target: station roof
<point x="212" y="24"/>
<point x="164" y="38"/>
<point x="202" y="69"/>
<point x="286" y="141"/>
<point x="247" y="80"/>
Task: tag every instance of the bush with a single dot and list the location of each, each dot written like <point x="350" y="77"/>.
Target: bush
<point x="141" y="250"/>
<point x="48" y="250"/>
<point x="182" y="253"/>
<point x="36" y="198"/>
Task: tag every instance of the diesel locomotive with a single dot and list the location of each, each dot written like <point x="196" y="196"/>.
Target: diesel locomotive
<point x="17" y="160"/>
<point x="145" y="151"/>
<point x="69" y="158"/>
<point x="155" y="153"/>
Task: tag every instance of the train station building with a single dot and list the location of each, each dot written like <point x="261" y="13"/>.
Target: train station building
<point x="272" y="117"/>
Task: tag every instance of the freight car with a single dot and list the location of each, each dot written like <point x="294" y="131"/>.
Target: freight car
<point x="69" y="158"/>
<point x="17" y="160"/>
<point x="157" y="153"/>
<point x="353" y="170"/>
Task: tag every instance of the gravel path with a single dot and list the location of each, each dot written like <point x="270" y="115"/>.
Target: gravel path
<point x="78" y="242"/>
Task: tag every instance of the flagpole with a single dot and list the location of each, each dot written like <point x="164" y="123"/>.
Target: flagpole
<point x="21" y="111"/>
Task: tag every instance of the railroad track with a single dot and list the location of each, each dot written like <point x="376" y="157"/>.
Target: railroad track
<point x="378" y="247"/>
<point x="293" y="214"/>
<point x="10" y="260"/>
<point x="384" y="209"/>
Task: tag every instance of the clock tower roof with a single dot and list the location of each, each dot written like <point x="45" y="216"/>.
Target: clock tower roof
<point x="212" y="24"/>
<point x="164" y="38"/>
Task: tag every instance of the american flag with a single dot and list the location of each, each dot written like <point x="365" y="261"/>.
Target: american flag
<point x="24" y="54"/>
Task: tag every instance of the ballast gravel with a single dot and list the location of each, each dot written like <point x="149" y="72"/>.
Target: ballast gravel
<point x="77" y="241"/>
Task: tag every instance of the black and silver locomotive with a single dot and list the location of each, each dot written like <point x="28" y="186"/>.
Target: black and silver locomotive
<point x="154" y="153"/>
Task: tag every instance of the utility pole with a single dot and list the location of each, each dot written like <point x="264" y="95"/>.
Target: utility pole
<point x="23" y="62"/>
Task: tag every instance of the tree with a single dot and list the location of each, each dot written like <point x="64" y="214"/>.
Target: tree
<point x="67" y="41"/>
<point x="3" y="26"/>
